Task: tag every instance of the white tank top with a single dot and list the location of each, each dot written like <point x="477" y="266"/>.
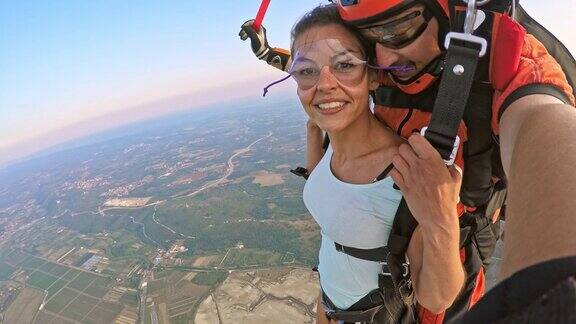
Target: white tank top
<point x="353" y="215"/>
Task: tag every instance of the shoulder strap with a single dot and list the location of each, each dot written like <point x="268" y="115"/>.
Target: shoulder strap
<point x="457" y="79"/>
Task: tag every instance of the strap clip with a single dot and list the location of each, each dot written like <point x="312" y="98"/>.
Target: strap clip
<point x="469" y="24"/>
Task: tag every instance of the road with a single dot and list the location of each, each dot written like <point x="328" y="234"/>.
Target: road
<point x="229" y="171"/>
<point x="144" y="231"/>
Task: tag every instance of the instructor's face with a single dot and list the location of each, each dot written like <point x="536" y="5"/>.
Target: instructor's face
<point x="416" y="55"/>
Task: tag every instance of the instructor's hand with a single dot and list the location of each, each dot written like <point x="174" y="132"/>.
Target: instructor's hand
<point x="277" y="57"/>
<point x="430" y="188"/>
<point x="258" y="39"/>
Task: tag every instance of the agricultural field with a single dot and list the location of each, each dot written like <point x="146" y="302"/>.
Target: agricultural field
<point x="24" y="308"/>
<point x="58" y="293"/>
<point x="242" y="258"/>
<point x="175" y="294"/>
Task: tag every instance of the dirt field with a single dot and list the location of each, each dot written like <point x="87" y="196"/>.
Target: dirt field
<point x="267" y="179"/>
<point x="205" y="260"/>
<point x="292" y="285"/>
<point x="190" y="178"/>
<point x="24" y="307"/>
<point x="207" y="313"/>
<point x="278" y="295"/>
<point x="127" y="202"/>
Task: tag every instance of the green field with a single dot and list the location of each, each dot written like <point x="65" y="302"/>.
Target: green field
<point x="80" y="307"/>
<point x="58" y="270"/>
<point x="96" y="291"/>
<point x="60" y="300"/>
<point x="6" y="270"/>
<point x="209" y="278"/>
<point x="56" y="286"/>
<point x="41" y="280"/>
<point x="104" y="313"/>
<point x="250" y="257"/>
<point x="71" y="274"/>
<point x="130" y="298"/>
<point x="32" y="263"/>
<point x="82" y="281"/>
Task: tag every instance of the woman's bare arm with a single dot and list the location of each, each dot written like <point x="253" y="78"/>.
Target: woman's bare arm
<point x="314" y="141"/>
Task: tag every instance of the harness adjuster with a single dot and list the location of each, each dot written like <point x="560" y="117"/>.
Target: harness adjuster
<point x="340" y="248"/>
<point x="450" y="160"/>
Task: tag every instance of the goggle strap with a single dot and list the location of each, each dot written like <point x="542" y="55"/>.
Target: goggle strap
<point x="273" y="83"/>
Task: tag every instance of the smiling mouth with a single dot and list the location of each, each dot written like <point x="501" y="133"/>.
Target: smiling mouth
<point x="330" y="107"/>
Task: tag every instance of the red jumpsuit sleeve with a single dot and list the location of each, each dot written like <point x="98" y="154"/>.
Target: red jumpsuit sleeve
<point x="538" y="73"/>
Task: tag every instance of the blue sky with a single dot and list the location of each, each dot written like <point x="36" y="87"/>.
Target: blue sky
<point x="64" y="63"/>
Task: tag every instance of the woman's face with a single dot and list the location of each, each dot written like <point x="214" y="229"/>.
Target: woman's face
<point x="335" y="101"/>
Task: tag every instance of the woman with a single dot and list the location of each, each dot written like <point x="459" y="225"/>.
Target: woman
<point x="349" y="193"/>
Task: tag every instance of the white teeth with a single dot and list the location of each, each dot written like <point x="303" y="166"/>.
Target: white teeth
<point x="331" y="105"/>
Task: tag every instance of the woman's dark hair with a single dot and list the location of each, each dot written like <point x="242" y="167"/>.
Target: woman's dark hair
<point x="324" y="15"/>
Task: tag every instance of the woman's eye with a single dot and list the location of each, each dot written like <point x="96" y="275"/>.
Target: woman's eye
<point x="344" y="66"/>
<point x="307" y="71"/>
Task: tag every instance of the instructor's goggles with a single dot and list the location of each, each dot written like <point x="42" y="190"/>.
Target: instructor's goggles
<point x="344" y="62"/>
<point x="400" y="30"/>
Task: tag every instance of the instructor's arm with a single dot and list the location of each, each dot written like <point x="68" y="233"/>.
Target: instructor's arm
<point x="538" y="147"/>
<point x="431" y="191"/>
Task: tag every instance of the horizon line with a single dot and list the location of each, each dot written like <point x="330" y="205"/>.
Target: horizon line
<point x="26" y="149"/>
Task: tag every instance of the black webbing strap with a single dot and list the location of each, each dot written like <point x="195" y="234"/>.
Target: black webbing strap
<point x="362" y="311"/>
<point x="385" y="172"/>
<point x="453" y="93"/>
<point x="301" y="172"/>
<point x="402" y="229"/>
<point x="376" y="254"/>
<point x="325" y="142"/>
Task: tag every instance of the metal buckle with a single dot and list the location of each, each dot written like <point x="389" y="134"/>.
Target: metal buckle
<point x="450" y="161"/>
<point x="406" y="267"/>
<point x="467" y="38"/>
<point x="469" y="25"/>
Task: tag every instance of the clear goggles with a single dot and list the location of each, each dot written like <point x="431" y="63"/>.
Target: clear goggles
<point x="346" y="63"/>
<point x="400" y="30"/>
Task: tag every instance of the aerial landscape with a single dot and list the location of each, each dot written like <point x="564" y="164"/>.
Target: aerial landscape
<point x="191" y="218"/>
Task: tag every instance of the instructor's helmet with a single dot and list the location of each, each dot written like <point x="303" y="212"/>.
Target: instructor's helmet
<point x="362" y="13"/>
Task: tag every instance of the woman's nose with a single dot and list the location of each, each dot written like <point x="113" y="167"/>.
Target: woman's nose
<point x="386" y="57"/>
<point x="327" y="80"/>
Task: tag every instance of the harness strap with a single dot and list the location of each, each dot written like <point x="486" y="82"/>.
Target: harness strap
<point x="377" y="254"/>
<point x="301" y="172"/>
<point x="363" y="310"/>
<point x="457" y="79"/>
